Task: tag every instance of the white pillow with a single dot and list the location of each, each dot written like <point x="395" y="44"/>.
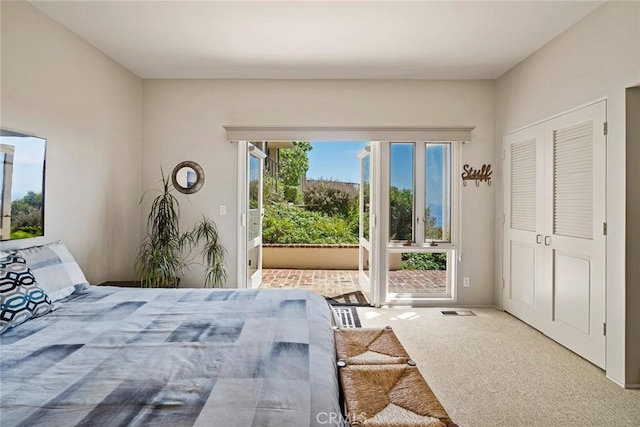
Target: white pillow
<point x="54" y="268"/>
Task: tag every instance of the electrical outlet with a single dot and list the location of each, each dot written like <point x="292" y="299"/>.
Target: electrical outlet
<point x="223" y="209"/>
<point x="466" y="283"/>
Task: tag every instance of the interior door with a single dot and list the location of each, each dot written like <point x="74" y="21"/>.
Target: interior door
<point x="364" y="249"/>
<point x="554" y="248"/>
<point x="575" y="241"/>
<point x="524" y="224"/>
<point x="255" y="163"/>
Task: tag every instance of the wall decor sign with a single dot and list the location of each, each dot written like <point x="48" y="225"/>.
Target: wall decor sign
<point x="478" y="175"/>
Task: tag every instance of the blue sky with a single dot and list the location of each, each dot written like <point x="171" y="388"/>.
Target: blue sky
<point x="27" y="165"/>
<point x="335" y="160"/>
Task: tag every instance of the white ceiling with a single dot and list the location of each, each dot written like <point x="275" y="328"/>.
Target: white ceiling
<point x="319" y="39"/>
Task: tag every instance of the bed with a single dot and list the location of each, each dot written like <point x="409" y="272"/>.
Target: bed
<point x="113" y="356"/>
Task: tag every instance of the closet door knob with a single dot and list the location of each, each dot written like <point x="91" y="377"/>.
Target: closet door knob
<point x="547" y="240"/>
<point x="538" y="238"/>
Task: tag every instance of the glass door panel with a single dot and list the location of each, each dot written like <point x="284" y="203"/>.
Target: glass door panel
<point x="254" y="216"/>
<point x="365" y="223"/>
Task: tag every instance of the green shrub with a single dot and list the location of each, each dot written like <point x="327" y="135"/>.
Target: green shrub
<point x="283" y="223"/>
<point x="331" y="198"/>
<point x="424" y="261"/>
<point x="294" y="162"/>
<point x="401" y="211"/>
<point x="271" y="190"/>
<point x="293" y="194"/>
<point x="26" y="216"/>
<point x="21" y="234"/>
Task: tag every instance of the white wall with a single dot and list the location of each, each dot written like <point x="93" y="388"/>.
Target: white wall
<point x="598" y="57"/>
<point x="183" y="120"/>
<point x="89" y="108"/>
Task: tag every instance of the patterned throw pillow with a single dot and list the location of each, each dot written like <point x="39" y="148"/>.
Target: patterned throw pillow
<point x="55" y="269"/>
<point x="20" y="296"/>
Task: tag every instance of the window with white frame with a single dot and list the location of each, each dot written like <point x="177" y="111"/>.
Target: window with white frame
<point x="420" y="192"/>
<point x="421" y="219"/>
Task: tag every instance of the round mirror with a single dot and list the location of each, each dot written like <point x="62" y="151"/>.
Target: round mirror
<point x="187" y="177"/>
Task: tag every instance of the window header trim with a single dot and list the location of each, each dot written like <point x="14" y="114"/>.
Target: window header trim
<point x="348" y="133"/>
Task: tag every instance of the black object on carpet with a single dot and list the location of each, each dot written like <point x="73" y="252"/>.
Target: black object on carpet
<point x="348" y="316"/>
<point x="351" y="298"/>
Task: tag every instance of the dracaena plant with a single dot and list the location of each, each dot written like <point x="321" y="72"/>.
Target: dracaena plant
<point x="166" y="252"/>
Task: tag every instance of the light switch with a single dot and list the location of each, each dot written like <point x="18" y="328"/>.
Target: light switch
<point x="223" y="209"/>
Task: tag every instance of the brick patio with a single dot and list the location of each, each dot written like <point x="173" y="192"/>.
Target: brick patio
<point x="418" y="281"/>
<point x="329" y="283"/>
<point x="333" y="283"/>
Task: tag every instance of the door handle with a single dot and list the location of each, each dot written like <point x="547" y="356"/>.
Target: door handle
<point x="538" y="238"/>
<point x="547" y="240"/>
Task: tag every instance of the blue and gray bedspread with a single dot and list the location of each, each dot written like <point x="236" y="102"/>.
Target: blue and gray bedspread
<point x="172" y="357"/>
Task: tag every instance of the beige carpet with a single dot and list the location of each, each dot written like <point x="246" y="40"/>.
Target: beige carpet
<point x="493" y="370"/>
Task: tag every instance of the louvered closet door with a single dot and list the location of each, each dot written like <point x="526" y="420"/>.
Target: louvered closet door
<point x="575" y="200"/>
<point x="524" y="199"/>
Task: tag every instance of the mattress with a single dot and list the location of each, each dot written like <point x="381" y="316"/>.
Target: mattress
<point x="179" y="357"/>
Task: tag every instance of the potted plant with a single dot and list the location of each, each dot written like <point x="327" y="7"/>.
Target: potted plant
<point x="166" y="252"/>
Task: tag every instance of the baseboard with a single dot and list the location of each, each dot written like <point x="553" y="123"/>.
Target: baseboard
<point x="625" y="386"/>
<point x="435" y="304"/>
<point x="615" y="381"/>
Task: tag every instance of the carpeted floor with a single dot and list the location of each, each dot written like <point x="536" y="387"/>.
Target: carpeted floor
<point x="493" y="370"/>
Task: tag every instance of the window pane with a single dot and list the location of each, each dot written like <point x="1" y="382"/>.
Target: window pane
<point x="365" y="261"/>
<point x="254" y="198"/>
<point x="401" y="191"/>
<point x="366" y="195"/>
<point x="437" y="214"/>
<point x="418" y="273"/>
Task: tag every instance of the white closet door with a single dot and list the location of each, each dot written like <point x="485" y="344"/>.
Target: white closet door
<point x="524" y="199"/>
<point x="575" y="200"/>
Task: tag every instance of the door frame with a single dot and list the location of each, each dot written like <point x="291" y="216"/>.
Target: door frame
<point x="379" y="174"/>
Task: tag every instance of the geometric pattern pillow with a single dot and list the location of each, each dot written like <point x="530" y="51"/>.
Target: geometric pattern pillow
<point x="20" y="296"/>
<point x="55" y="269"/>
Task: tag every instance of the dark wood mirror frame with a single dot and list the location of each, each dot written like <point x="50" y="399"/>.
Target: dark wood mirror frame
<point x="197" y="184"/>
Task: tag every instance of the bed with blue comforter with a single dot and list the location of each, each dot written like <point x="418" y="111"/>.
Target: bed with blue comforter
<point x="110" y="356"/>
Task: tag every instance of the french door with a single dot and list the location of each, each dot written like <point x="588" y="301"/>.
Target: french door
<point x="555" y="229"/>
<point x="254" y="213"/>
<point x="365" y="265"/>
